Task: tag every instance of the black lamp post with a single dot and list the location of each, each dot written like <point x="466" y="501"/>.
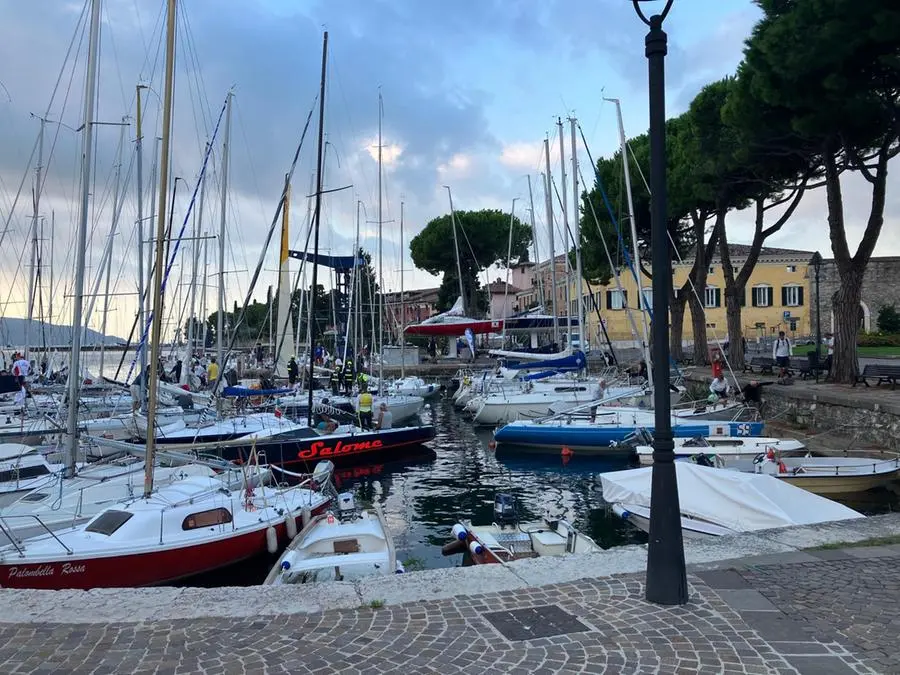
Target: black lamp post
<point x="816" y="262"/>
<point x="666" y="576"/>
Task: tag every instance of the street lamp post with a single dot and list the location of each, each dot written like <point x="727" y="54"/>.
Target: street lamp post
<point x="666" y="576"/>
<point x="817" y="265"/>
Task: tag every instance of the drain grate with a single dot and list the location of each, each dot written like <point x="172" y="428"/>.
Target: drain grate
<point x="535" y="622"/>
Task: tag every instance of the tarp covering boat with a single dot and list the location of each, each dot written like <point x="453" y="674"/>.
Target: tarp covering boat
<point x="529" y="356"/>
<point x="742" y="502"/>
<point x="574" y="361"/>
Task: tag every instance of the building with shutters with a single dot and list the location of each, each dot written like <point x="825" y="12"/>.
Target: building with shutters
<point x="777" y="297"/>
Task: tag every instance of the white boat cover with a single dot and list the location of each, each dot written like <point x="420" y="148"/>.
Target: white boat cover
<point x="742" y="502"/>
<point x="530" y="356"/>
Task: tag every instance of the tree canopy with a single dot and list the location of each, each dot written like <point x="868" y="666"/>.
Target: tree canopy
<point x="483" y="239"/>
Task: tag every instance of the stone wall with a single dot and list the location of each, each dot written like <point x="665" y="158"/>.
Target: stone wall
<point x="881" y="286"/>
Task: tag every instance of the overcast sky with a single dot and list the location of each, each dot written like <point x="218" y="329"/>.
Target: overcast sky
<point x="470" y="89"/>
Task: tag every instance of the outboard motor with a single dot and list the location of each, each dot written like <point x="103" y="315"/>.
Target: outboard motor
<point x="322" y="473"/>
<point x="505" y="510"/>
<point x="346" y="506"/>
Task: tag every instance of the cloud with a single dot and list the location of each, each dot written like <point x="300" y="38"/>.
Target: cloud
<point x="522" y="155"/>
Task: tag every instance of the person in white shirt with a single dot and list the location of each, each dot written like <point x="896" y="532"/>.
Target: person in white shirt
<point x="385" y="417"/>
<point x="829" y="342"/>
<point x="719" y="387"/>
<point x="781" y="352"/>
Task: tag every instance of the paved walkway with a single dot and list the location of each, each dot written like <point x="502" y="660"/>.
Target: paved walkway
<point x="825" y="612"/>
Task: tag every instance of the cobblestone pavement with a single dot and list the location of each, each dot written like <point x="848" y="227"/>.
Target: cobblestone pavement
<point x="822" y="617"/>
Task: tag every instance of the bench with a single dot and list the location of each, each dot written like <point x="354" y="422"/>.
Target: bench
<point x="883" y="373"/>
<point x="814" y="366"/>
<point x="766" y="364"/>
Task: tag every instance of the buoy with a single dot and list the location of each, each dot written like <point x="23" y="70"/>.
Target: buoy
<point x="271" y="540"/>
<point x="459" y="532"/>
<point x="566" y="451"/>
<point x="492" y="445"/>
<point x="476" y="548"/>
<point x="305" y="516"/>
<point x="285" y="565"/>
<point x="290" y="524"/>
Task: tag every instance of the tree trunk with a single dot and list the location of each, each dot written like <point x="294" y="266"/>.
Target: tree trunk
<point x="676" y="327"/>
<point x="735" y="329"/>
<point x="846" y="304"/>
<point x="698" y="324"/>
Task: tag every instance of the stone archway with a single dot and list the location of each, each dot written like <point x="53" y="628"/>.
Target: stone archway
<point x="865" y="317"/>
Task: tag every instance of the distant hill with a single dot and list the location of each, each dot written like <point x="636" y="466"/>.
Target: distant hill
<point x="12" y="334"/>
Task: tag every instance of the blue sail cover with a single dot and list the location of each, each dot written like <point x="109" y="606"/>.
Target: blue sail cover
<point x="241" y="392"/>
<point x="541" y="375"/>
<point x="340" y="263"/>
<point x="574" y="361"/>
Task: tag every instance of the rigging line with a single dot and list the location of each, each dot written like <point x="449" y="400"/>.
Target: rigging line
<point x="25" y="175"/>
<point x="174" y="252"/>
<point x="198" y="71"/>
<point x="79" y="29"/>
<point x="112" y="44"/>
<point x="239" y="321"/>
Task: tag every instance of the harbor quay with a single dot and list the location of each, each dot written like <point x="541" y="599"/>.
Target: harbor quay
<point x="815" y="600"/>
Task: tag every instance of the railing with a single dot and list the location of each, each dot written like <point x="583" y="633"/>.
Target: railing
<point x="18" y="544"/>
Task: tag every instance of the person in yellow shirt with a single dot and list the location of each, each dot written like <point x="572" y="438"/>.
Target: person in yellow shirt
<point x="212" y="372"/>
<point x="364" y="408"/>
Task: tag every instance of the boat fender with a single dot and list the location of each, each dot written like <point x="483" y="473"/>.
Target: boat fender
<point x="271" y="539"/>
<point x="453" y="547"/>
<point x="290" y="524"/>
<point x="459" y="532"/>
<point x="400" y="568"/>
<point x="285" y="565"/>
<point x="781" y="467"/>
<point x="492" y="445"/>
<point x="626" y="514"/>
<point x="476" y="548"/>
<point x="305" y="516"/>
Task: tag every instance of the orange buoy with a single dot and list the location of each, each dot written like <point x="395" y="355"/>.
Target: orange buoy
<point x="492" y="445"/>
<point x="566" y="451"/>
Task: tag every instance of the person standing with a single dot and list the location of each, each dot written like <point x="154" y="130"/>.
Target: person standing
<point x="385" y="417"/>
<point x="21" y="369"/>
<point x="293" y="370"/>
<point x="212" y="372"/>
<point x="364" y="408"/>
<point x="718" y="367"/>
<point x="348" y="375"/>
<point x="781" y="352"/>
<point x="335" y="380"/>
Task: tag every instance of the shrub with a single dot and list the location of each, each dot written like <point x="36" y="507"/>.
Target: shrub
<point x="888" y="319"/>
<point x="878" y="340"/>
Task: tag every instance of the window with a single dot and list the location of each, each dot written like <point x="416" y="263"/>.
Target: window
<point x="206" y="519"/>
<point x="108" y="522"/>
<point x="792" y="296"/>
<point x="616" y="299"/>
<point x="647" y="300"/>
<point x="712" y="270"/>
<point x="791" y="268"/>
<point x="792" y="325"/>
<point x="713" y="297"/>
<point x="710" y="325"/>
<point x="762" y="296"/>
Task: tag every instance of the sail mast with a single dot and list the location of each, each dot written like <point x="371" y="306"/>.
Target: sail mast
<point x="537" y="255"/>
<point x="317" y="215"/>
<point x="548" y="203"/>
<point x="577" y="236"/>
<point x="34" y="238"/>
<point x="90" y="94"/>
<point x="139" y="149"/>
<point x="220" y="315"/>
<point x="112" y="233"/>
<point x="380" y="258"/>
<point x="402" y="304"/>
<point x="156" y="325"/>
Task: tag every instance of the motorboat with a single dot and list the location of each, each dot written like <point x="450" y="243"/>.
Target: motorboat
<point x="190" y="527"/>
<point x="721" y="448"/>
<point x="413" y="386"/>
<point x="295" y="406"/>
<point x="603" y="428"/>
<point x="345" y="546"/>
<point x="506" y="539"/>
<point x="830" y="476"/>
<point x="716" y="502"/>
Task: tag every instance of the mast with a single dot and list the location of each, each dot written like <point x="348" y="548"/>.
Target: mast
<point x="139" y="149"/>
<point x="512" y="213"/>
<point x="87" y="151"/>
<point x="548" y="203"/>
<point x="220" y="315"/>
<point x="50" y="294"/>
<point x="402" y="304"/>
<point x="537" y="255"/>
<point x="156" y="326"/>
<point x="284" y="339"/>
<point x="380" y="258"/>
<point x="195" y="264"/>
<point x="112" y="233"/>
<point x="34" y="238"/>
<point x="565" y="229"/>
<point x="317" y="216"/>
<point x="462" y="292"/>
<point x="203" y="317"/>
<point x="645" y="329"/>
<point x="577" y="235"/>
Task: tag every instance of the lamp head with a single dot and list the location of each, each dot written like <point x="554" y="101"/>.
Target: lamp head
<point x="816" y="259"/>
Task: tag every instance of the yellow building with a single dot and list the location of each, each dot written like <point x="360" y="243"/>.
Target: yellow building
<point x="777" y="297"/>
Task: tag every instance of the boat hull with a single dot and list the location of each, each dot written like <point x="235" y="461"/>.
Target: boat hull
<point x="455" y="329"/>
<point x="598" y="438"/>
<point x="833" y="486"/>
<point x="141" y="569"/>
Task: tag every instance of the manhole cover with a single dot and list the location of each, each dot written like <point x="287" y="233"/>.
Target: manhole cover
<point x="535" y="622"/>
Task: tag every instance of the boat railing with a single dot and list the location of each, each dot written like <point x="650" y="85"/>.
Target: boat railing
<point x="881" y="466"/>
<point x="18" y="544"/>
<point x="582" y="407"/>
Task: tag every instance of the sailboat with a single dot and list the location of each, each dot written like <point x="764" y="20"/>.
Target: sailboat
<point x="454" y="323"/>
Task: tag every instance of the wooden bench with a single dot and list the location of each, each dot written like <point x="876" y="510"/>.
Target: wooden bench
<point x="766" y="364"/>
<point x="883" y="373"/>
<point x="813" y="365"/>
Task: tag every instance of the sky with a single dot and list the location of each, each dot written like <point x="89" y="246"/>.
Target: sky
<point x="470" y="89"/>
